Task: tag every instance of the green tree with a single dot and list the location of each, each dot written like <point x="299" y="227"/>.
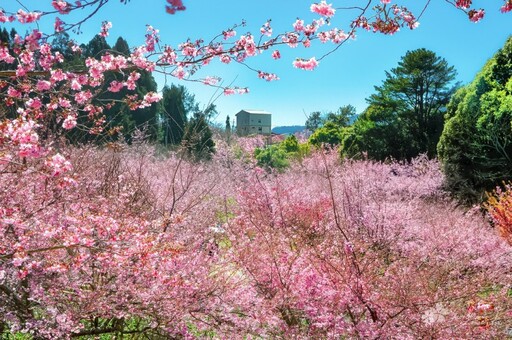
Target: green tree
<point x="174" y="113"/>
<point x="330" y="133"/>
<point x="343" y="117"/>
<point x="228" y="125"/>
<point x="197" y="140"/>
<point x="272" y="157"/>
<point x="290" y="144"/>
<point x="314" y="121"/>
<point x="410" y="103"/>
<point x="375" y="134"/>
<point x="121" y="46"/>
<point x="96" y="47"/>
<point x="475" y="148"/>
<point x="228" y="129"/>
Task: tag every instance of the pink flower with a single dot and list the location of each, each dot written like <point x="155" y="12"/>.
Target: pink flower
<point x="228" y="91"/>
<point x="507" y="7"/>
<point x="58" y="25"/>
<point x="149" y="98"/>
<point x="228" y="34"/>
<point x="151" y="38"/>
<point x="323" y="9"/>
<point x="276" y="54"/>
<point x="267" y="76"/>
<point x="58" y="164"/>
<point x="463" y="3"/>
<point x="69" y="122"/>
<point x="292" y="39"/>
<point x="5" y="56"/>
<point x="57" y="75"/>
<point x="105" y="26"/>
<point x="34" y="103"/>
<point x="188" y="49"/>
<point x="61" y="6"/>
<point x="179" y="73"/>
<point x="64" y="103"/>
<point x="27" y="17"/>
<point x="210" y="80"/>
<point x="13" y="93"/>
<point x="298" y="25"/>
<point x="75" y="85"/>
<point x="5" y="18"/>
<point x="385" y="2"/>
<point x="476" y="16"/>
<point x="131" y="81"/>
<point x="115" y="86"/>
<point x="83" y="97"/>
<point x="225" y="59"/>
<point x="308" y="65"/>
<point x="43" y="85"/>
<point x="266" y="29"/>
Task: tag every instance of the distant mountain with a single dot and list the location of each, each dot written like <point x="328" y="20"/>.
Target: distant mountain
<point x="288" y="130"/>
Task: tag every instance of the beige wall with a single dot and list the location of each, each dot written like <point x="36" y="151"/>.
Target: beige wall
<point x="253" y="123"/>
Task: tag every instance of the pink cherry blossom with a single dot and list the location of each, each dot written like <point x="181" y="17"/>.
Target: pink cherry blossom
<point x="70" y="122"/>
<point x="276" y="54"/>
<point x="323" y="9"/>
<point x="304" y="64"/>
<point x="210" y="80"/>
<point x="226" y="59"/>
<point x="13" y="93"/>
<point x="58" y="164"/>
<point x="463" y="3"/>
<point x="476" y="15"/>
<point x="105" y="27"/>
<point x="180" y="73"/>
<point x="34" y="103"/>
<point x="27" y="17"/>
<point x="229" y="34"/>
<point x="507" y="7"/>
<point x="61" y="6"/>
<point x="5" y="56"/>
<point x="292" y="39"/>
<point x="115" y="86"/>
<point x="266" y="29"/>
<point x="43" y="85"/>
<point x="229" y="91"/>
<point x="83" y="97"/>
<point x="267" y="76"/>
<point x="6" y="18"/>
<point x="149" y="99"/>
<point x="298" y="25"/>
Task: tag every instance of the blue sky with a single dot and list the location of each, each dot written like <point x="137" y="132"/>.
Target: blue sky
<point x="345" y="77"/>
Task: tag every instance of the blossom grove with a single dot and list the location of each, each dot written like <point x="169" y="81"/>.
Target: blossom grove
<point x="118" y="239"/>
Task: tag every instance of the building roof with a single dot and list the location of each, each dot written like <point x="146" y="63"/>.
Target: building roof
<point x="260" y="112"/>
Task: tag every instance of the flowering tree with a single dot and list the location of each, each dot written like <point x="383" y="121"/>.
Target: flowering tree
<point x="113" y="240"/>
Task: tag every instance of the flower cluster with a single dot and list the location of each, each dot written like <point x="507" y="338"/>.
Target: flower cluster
<point x="304" y="64"/>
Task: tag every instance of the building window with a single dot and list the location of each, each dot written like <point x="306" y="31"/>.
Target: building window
<point x="259" y="121"/>
<point x="260" y="129"/>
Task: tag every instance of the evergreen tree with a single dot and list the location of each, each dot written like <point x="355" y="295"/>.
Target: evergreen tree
<point x="314" y="121"/>
<point x="197" y="139"/>
<point x="405" y="115"/>
<point x="96" y="47"/>
<point x="174" y="113"/>
<point x="476" y="145"/>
